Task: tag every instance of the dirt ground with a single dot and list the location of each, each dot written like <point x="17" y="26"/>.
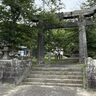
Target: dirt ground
<point x="12" y="90"/>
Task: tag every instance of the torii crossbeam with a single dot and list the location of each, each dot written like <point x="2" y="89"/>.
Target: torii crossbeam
<point x="75" y="14"/>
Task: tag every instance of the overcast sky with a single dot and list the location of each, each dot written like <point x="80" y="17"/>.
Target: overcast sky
<point x="70" y="5"/>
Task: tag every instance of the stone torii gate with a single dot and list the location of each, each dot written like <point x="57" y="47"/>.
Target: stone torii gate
<point x="81" y="16"/>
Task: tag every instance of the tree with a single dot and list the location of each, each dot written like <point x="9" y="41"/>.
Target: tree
<point x="13" y="14"/>
<point x="89" y="3"/>
<point x="17" y="22"/>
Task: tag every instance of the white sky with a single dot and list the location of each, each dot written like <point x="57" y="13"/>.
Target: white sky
<point x="70" y="5"/>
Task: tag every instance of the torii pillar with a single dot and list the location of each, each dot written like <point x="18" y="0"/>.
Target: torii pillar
<point x="82" y="40"/>
<point x="40" y="48"/>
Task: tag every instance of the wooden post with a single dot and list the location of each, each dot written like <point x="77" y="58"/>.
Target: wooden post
<point x="40" y="48"/>
<point x="82" y="40"/>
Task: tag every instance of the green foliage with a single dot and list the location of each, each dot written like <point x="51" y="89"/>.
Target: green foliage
<point x="47" y="18"/>
<point x="17" y="19"/>
<point x="89" y="3"/>
<point x="49" y="1"/>
<point x="63" y="39"/>
<point x="91" y="37"/>
<point x="16" y="22"/>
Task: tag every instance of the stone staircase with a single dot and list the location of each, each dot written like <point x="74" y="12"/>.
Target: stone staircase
<point x="70" y="75"/>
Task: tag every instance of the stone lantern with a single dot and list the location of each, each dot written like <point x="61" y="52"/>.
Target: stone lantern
<point x="5" y="52"/>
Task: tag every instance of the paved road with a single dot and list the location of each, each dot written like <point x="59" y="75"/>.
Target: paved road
<point x="47" y="91"/>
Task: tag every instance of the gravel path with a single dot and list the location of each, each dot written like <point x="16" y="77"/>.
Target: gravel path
<point x="48" y="91"/>
<point x="5" y="88"/>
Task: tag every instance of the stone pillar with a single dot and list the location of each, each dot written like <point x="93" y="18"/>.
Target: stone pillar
<point x="40" y="48"/>
<point x="82" y="40"/>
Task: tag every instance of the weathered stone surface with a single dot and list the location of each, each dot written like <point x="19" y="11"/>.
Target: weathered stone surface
<point x="91" y="73"/>
<point x="82" y="39"/>
<point x="68" y="24"/>
<point x="14" y="70"/>
<point x="48" y="91"/>
<point x="5" y="88"/>
<point x="75" y="14"/>
<point x="40" y="47"/>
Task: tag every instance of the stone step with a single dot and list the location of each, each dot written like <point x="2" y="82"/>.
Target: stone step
<point x="55" y="76"/>
<point x="53" y="84"/>
<point x="47" y="80"/>
<point x="57" y="68"/>
<point x="65" y="61"/>
<point x="66" y="75"/>
<point x="56" y="72"/>
<point x="50" y="65"/>
<point x="57" y="65"/>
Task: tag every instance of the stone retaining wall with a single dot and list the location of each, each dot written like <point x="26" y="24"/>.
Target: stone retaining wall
<point x="11" y="71"/>
<point x="91" y="73"/>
